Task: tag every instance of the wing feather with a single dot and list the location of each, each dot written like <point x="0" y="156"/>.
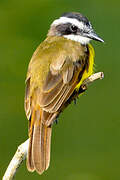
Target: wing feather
<point x="52" y="100"/>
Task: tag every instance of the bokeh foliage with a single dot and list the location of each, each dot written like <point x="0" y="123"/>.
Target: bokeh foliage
<point x="86" y="141"/>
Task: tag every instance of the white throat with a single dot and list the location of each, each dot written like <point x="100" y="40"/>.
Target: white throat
<point x="78" y="38"/>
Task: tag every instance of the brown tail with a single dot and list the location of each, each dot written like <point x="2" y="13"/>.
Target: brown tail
<point x="39" y="146"/>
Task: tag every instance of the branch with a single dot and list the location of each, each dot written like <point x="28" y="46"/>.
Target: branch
<point x="93" y="77"/>
<point x="22" y="150"/>
<point x="17" y="159"/>
<point x="90" y="79"/>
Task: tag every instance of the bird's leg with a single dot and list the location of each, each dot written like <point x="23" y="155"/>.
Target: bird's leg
<point x="75" y="101"/>
<point x="56" y="120"/>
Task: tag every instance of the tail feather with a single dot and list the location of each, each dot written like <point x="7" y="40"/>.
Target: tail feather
<point x="48" y="144"/>
<point x="39" y="146"/>
<point x="30" y="165"/>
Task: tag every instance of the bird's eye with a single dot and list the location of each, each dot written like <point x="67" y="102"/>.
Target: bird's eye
<point x="73" y="28"/>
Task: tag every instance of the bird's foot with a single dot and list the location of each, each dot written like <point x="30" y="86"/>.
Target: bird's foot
<point x="75" y="101"/>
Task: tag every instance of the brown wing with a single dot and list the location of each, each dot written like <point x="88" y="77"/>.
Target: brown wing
<point x="57" y="88"/>
<point x="59" y="85"/>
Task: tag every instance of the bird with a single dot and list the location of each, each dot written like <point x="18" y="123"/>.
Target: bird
<point x="55" y="73"/>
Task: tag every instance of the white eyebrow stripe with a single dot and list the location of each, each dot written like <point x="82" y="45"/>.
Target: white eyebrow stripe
<point x="65" y="20"/>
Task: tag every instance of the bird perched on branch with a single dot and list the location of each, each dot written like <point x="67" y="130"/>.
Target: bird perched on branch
<point x="56" y="71"/>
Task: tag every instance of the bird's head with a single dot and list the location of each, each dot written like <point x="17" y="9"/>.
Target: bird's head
<point x="74" y="26"/>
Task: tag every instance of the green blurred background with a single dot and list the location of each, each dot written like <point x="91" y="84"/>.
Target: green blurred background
<point x="86" y="141"/>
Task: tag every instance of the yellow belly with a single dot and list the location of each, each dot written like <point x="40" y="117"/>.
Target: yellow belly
<point x="88" y="72"/>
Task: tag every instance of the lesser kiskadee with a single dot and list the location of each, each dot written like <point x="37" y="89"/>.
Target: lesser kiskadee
<point x="56" y="71"/>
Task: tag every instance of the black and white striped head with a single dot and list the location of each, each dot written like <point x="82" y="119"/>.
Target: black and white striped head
<point x="74" y="26"/>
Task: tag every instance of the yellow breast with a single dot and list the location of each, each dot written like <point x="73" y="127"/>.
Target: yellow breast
<point x="89" y="71"/>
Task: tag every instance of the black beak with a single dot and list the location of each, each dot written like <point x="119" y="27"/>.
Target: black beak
<point x="94" y="36"/>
